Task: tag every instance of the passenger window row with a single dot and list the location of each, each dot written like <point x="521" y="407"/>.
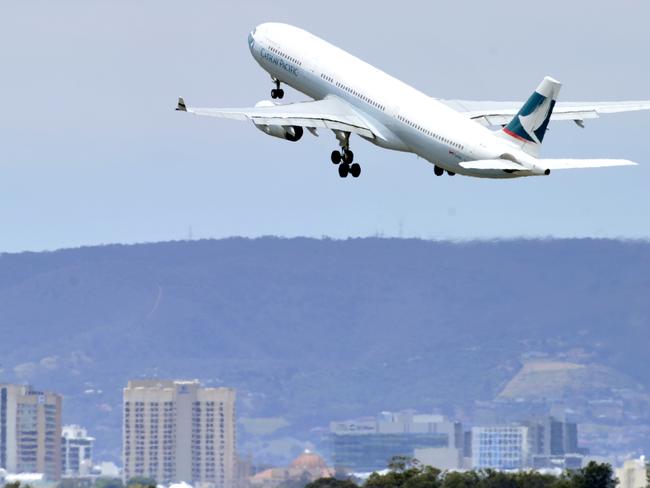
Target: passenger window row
<point x="430" y="133"/>
<point x="360" y="96"/>
<point x="285" y="56"/>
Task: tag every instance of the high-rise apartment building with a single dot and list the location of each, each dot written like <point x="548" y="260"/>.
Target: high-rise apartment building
<point x="76" y="451"/>
<point x="178" y="431"/>
<point x="30" y="431"/>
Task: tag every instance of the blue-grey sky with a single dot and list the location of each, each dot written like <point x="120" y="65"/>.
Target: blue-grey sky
<point x="92" y="151"/>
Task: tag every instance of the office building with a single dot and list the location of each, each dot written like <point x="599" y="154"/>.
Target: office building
<point x="76" y="451"/>
<point x="500" y="447"/>
<point x="30" y="431"/>
<point x="554" y="444"/>
<point x="178" y="431"/>
<point x="552" y="437"/>
<point x="544" y="443"/>
<point x="367" y="445"/>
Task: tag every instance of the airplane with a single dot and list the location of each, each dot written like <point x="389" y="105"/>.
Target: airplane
<point x="479" y="139"/>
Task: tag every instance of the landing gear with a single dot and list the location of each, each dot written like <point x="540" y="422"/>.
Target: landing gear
<point x="277" y="92"/>
<point x="450" y="173"/>
<point x="346" y="169"/>
<point x="438" y="170"/>
<point x="345" y="157"/>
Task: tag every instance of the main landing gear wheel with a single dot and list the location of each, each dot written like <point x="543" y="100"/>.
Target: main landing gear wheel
<point x="345" y="156"/>
<point x="346" y="169"/>
<point x="277" y="92"/>
<point x="438" y="171"/>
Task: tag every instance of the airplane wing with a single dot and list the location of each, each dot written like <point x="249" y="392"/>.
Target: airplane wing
<point x="330" y="113"/>
<point x="500" y="113"/>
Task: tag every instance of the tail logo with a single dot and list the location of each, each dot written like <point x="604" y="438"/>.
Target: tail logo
<point x="532" y="120"/>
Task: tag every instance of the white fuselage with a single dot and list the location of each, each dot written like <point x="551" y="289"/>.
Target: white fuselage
<point x="407" y="119"/>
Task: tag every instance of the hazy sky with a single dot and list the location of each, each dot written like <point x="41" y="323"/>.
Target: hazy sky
<point x="92" y="151"/>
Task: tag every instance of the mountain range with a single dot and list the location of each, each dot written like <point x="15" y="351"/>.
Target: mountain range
<point x="314" y="330"/>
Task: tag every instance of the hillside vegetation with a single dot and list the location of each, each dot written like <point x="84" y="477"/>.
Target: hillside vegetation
<point x="310" y="331"/>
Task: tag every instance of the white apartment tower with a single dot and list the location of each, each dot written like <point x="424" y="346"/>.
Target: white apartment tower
<point x="178" y="431"/>
<point x="30" y="431"/>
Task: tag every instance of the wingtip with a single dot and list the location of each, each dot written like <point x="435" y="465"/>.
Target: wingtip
<point x="181" y="107"/>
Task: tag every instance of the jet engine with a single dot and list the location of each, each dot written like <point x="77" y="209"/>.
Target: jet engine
<point x="291" y="133"/>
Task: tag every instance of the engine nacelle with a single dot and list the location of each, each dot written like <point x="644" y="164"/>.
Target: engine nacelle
<point x="291" y="133"/>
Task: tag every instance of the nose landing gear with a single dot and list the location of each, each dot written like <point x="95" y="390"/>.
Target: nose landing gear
<point x="277" y="92"/>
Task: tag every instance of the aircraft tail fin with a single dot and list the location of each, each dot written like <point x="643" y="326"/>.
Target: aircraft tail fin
<point x="528" y="127"/>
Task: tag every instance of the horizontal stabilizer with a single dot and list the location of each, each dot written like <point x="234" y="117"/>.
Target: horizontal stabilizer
<point x="554" y="164"/>
<point x="500" y="113"/>
<point x="501" y="164"/>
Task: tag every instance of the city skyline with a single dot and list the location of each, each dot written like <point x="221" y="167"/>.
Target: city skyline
<point x="473" y="354"/>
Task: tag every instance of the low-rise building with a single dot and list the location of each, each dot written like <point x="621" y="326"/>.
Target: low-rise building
<point x="76" y="451"/>
<point x="306" y="468"/>
<point x="443" y="458"/>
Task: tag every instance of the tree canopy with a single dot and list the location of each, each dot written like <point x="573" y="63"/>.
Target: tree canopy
<point x="141" y="482"/>
<point x="407" y="472"/>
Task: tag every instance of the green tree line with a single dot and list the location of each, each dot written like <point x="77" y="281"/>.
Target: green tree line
<point x="405" y="473"/>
